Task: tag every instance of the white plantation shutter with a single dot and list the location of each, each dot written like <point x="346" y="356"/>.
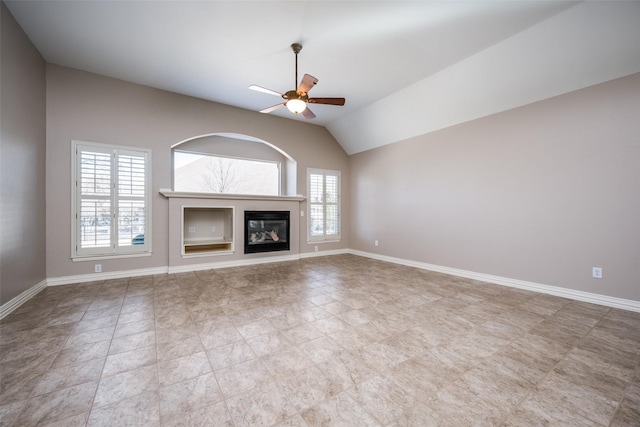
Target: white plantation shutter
<point x="324" y="205"/>
<point x="131" y="194"/>
<point x="112" y="200"/>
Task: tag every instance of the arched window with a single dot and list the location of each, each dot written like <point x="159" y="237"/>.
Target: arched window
<point x="232" y="164"/>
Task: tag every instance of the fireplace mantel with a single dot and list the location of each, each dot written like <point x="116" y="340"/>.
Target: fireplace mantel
<point x="191" y="195"/>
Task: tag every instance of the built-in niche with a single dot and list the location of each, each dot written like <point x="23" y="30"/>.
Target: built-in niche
<point x="207" y="230"/>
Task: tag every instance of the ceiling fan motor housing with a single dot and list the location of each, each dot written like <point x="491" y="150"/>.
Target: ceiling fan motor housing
<point x="292" y="94"/>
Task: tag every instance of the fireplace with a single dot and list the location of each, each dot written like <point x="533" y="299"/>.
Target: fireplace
<point x="266" y="231"/>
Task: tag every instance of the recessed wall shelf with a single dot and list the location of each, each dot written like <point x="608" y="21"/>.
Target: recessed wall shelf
<point x="207" y="230"/>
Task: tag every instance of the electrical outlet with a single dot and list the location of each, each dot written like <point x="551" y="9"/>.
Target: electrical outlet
<point x="213" y="228"/>
<point x="375" y="243"/>
<point x="98" y="268"/>
<point x="192" y="229"/>
<point x="596" y="272"/>
<point x="315" y="249"/>
<point x="301" y="213"/>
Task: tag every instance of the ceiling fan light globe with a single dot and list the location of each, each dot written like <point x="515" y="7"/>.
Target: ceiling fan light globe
<point x="296" y="106"/>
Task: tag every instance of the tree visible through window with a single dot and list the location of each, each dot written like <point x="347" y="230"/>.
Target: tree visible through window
<point x="324" y="205"/>
<point x="216" y="174"/>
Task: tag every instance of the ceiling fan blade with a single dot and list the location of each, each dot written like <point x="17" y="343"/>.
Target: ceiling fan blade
<point x="308" y="114"/>
<point x="306" y="84"/>
<point x="329" y="101"/>
<point x="264" y="90"/>
<point x="273" y="108"/>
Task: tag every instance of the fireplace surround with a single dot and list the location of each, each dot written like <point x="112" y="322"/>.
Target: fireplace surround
<point x="266" y="231"/>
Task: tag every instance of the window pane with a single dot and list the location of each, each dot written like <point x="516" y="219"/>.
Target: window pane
<point x="316" y="219"/>
<point x="333" y="222"/>
<point x="331" y="189"/>
<point x="95" y="223"/>
<point x="130" y="222"/>
<point x="95" y="174"/>
<point x="315" y="188"/>
<point x="214" y="174"/>
<point x="131" y="170"/>
<point x="324" y="205"/>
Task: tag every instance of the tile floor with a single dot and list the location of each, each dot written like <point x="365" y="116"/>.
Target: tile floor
<point x="331" y="341"/>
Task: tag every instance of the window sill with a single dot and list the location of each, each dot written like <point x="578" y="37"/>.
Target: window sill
<point x="102" y="257"/>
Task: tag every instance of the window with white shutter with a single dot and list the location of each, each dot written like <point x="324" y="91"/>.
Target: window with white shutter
<point x="324" y="205"/>
<point x="111" y="203"/>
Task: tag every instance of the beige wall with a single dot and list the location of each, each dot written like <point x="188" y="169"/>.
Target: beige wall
<point x="22" y="159"/>
<point x="541" y="193"/>
<point x="84" y="106"/>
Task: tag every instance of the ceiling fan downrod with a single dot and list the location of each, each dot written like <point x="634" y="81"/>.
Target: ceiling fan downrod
<point x="297" y="47"/>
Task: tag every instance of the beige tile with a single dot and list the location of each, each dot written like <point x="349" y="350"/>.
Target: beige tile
<point x="455" y="405"/>
<point x="216" y="337"/>
<point x="19" y="377"/>
<point x="383" y="397"/>
<point x="67" y="376"/>
<point x="268" y="343"/>
<point x="189" y="395"/>
<point x="264" y="405"/>
<point x="324" y="341"/>
<point x="126" y="385"/>
<point x="134" y="359"/>
<point x="628" y="415"/>
<point x="340" y="410"/>
<point x="134" y="327"/>
<point x="141" y="410"/>
<point x="79" y="420"/>
<point x="57" y="405"/>
<point x="231" y="354"/>
<point x="254" y="329"/>
<point x="287" y="361"/>
<point x="575" y="399"/>
<point x="212" y="415"/>
<point x="242" y="377"/>
<point x="308" y="387"/>
<point x="320" y="349"/>
<point x="302" y="333"/>
<point x="132" y="342"/>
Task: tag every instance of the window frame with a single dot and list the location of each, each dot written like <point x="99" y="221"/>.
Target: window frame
<point x="324" y="237"/>
<point x="113" y="250"/>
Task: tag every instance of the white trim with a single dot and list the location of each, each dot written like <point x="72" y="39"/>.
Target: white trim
<point x="624" y="304"/>
<point x="324" y="237"/>
<point x="25" y="296"/>
<point x="103" y="257"/>
<point x="92" y="277"/>
<point x="234" y="263"/>
<point x="114" y="151"/>
<point x="324" y="253"/>
<point x="227" y="196"/>
<point x="605" y="300"/>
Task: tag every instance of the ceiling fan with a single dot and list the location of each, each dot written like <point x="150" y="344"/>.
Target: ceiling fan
<point x="296" y="100"/>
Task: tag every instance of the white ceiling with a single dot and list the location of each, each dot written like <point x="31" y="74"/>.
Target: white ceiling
<point x="404" y="67"/>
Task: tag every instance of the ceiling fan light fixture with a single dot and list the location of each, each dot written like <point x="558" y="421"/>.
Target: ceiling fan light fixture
<point x="296" y="106"/>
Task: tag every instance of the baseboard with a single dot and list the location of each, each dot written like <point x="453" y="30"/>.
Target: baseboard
<point x="324" y="253"/>
<point x="235" y="263"/>
<point x="605" y="300"/>
<point x="599" y="299"/>
<point x="25" y="296"/>
<point x="107" y="275"/>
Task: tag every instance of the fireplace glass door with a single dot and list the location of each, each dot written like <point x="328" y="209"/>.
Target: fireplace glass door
<point x="266" y="231"/>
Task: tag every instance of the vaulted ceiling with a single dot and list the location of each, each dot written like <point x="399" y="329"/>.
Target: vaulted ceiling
<point x="404" y="67"/>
